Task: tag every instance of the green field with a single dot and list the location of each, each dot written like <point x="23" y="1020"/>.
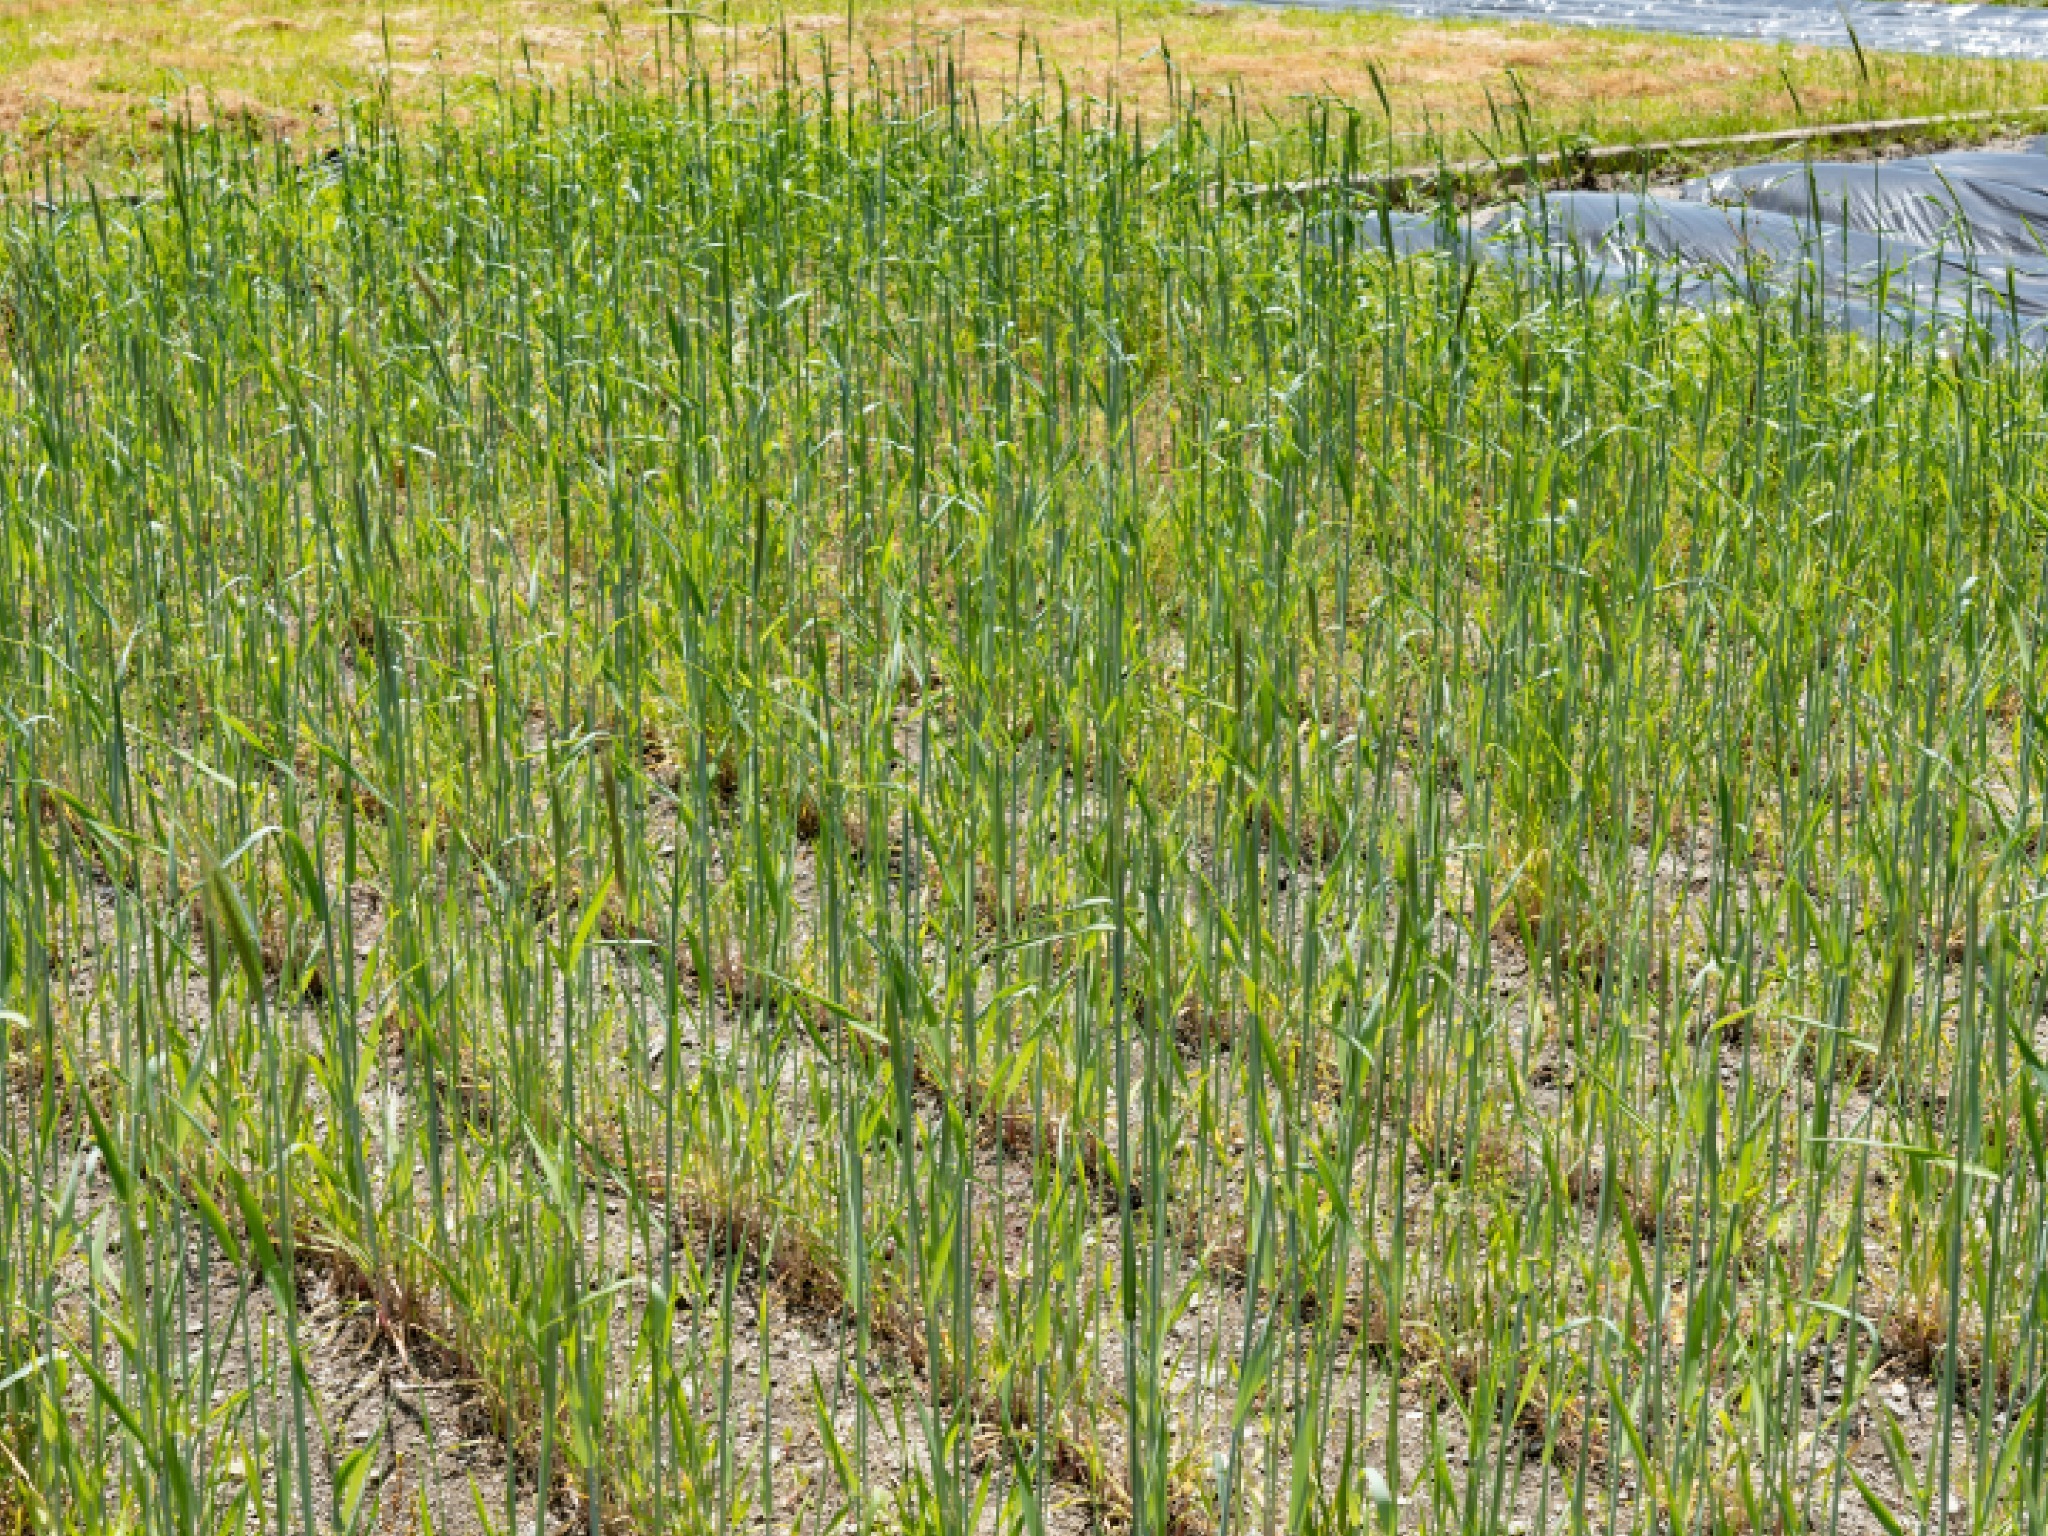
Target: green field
<point x="847" y="807"/>
<point x="95" y="83"/>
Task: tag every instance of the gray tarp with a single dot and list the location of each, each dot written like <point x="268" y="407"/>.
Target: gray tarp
<point x="1703" y="254"/>
<point x="1949" y="207"/>
<point x="1706" y="253"/>
<point x="2015" y="168"/>
<point x="1402" y="233"/>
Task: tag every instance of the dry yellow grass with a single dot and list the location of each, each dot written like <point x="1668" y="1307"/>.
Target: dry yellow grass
<point x="94" y="74"/>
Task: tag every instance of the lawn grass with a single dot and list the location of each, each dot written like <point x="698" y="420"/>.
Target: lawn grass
<point x="96" y="80"/>
<point x="765" y="804"/>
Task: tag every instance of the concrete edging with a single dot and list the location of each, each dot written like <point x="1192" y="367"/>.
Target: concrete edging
<point x="1556" y="164"/>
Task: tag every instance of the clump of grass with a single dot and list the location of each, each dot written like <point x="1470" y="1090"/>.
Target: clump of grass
<point x="1916" y="1334"/>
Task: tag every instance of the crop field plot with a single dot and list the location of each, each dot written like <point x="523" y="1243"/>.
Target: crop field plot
<point x="764" y="807"/>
